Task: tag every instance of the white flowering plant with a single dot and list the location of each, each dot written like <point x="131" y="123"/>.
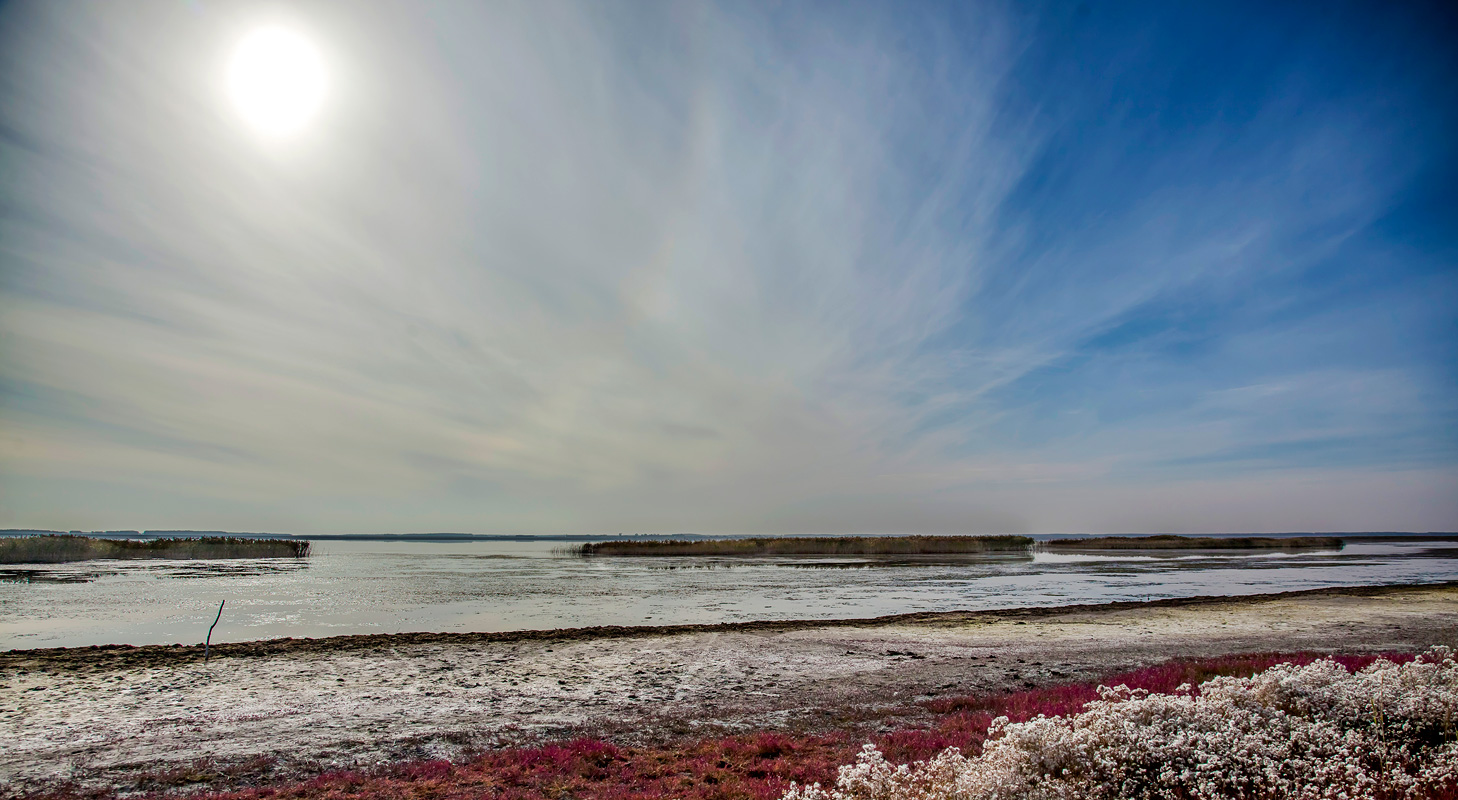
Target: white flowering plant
<point x="1312" y="731"/>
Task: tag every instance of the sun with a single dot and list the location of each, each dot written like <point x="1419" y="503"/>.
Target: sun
<point x="277" y="80"/>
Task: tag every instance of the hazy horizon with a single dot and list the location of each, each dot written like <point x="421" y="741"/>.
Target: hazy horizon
<point x="731" y="268"/>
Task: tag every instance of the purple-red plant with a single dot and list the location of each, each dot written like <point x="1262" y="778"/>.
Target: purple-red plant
<point x="1386" y="732"/>
<point x="748" y="767"/>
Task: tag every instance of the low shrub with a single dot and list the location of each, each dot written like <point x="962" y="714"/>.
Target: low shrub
<point x="1315" y="730"/>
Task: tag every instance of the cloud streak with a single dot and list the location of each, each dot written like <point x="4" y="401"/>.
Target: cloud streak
<point x="559" y="267"/>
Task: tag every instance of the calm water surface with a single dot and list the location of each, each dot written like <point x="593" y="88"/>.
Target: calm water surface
<point x="388" y="587"/>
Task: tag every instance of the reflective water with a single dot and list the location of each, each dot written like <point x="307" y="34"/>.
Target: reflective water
<point x="387" y="587"/>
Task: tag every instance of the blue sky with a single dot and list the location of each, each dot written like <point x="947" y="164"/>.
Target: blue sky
<point x="566" y="267"/>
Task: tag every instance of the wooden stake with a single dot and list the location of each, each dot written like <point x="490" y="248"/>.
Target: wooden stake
<point x="208" y="643"/>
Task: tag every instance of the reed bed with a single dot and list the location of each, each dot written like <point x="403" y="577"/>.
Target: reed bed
<point x="813" y="546"/>
<point x="59" y="548"/>
<point x="1197" y="543"/>
<point x="939" y="545"/>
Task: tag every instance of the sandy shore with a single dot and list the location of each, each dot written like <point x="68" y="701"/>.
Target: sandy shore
<point x="291" y="707"/>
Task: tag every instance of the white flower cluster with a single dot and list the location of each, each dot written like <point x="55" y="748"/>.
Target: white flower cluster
<point x="1314" y="731"/>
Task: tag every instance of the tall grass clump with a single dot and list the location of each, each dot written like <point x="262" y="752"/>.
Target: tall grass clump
<point x="1196" y="543"/>
<point x="1316" y="730"/>
<point x="812" y="546"/>
<point x="58" y="548"/>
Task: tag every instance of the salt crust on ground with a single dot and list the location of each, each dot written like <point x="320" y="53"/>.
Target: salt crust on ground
<point x="315" y="710"/>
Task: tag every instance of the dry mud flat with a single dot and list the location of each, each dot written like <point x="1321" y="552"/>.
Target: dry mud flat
<point x="291" y="707"/>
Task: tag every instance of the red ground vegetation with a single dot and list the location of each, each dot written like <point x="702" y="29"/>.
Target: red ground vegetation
<point x="746" y="767"/>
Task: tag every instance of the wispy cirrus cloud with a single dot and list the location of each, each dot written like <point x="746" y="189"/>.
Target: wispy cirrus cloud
<point x="547" y="267"/>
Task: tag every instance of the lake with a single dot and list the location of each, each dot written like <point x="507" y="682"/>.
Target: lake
<point x="350" y="587"/>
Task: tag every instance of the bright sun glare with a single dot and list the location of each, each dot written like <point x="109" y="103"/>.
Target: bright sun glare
<point x="277" y="81"/>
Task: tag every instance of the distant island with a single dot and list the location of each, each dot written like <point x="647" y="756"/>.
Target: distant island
<point x="60" y="548"/>
<point x="940" y="545"/>
<point x="1197" y="543"/>
<point x="811" y="545"/>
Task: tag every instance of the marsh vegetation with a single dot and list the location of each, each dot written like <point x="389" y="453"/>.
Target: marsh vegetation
<point x="1196" y="543"/>
<point x="60" y="548"/>
<point x="812" y="545"/>
<point x="1321" y="729"/>
<point x="940" y="545"/>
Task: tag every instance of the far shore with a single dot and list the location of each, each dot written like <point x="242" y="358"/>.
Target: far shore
<point x="446" y="537"/>
<point x="54" y="548"/>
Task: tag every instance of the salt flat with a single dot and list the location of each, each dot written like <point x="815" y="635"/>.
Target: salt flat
<point x="99" y="716"/>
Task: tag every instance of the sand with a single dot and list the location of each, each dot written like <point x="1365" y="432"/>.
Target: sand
<point x="103" y="717"/>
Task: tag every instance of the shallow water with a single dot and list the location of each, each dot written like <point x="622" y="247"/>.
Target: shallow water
<point x="350" y="587"/>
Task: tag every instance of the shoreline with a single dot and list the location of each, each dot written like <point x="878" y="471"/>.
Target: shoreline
<point x="116" y="656"/>
<point x="288" y="709"/>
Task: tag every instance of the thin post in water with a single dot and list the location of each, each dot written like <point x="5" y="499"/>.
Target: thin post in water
<point x="208" y="642"/>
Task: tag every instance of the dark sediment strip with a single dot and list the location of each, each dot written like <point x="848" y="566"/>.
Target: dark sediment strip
<point x="109" y="657"/>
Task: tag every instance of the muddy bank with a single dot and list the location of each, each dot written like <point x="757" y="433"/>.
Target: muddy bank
<point x="107" y="715"/>
<point x="120" y="656"/>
